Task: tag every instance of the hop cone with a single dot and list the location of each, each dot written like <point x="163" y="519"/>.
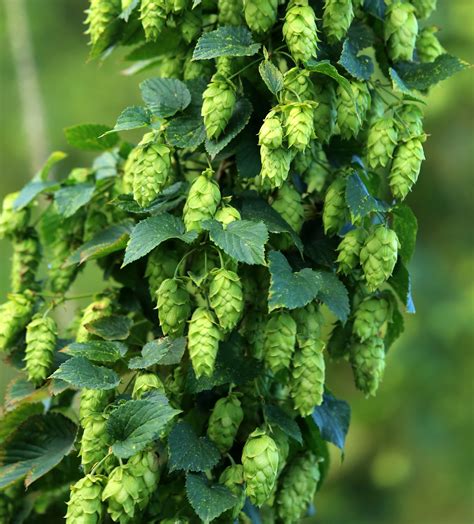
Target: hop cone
<point x="41" y="336"/>
<point x="271" y="132"/>
<point x="349" y="250"/>
<point x="279" y="343"/>
<point x="145" y="383"/>
<point x="196" y="69"/>
<point x="317" y="169"/>
<point x="85" y="506"/>
<point x="307" y="376"/>
<point x="410" y="122"/>
<point x="203" y="341"/>
<point x="93" y="402"/>
<point x="378" y="256"/>
<point x="94" y="311"/>
<point x="160" y="265"/>
<point x="25" y="262"/>
<point x="352" y="109"/>
<point x="202" y="202"/>
<point x="129" y="487"/>
<point x="233" y="479"/>
<point x="371" y="318"/>
<point x="325" y="113"/>
<point x="14" y="316"/>
<point x="100" y="17"/>
<point x="13" y="221"/>
<point x="153" y="16"/>
<point x="226" y="297"/>
<point x="299" y="124"/>
<point x="218" y="102"/>
<point x="224" y="422"/>
<point x="381" y="142"/>
<point x="368" y="364"/>
<point x="230" y="12"/>
<point x="337" y="17"/>
<point x="260" y="459"/>
<point x="406" y="167"/>
<point x="226" y="215"/>
<point x="298" y="487"/>
<point x="260" y="15"/>
<point x="275" y="165"/>
<point x="334" y="210"/>
<point x="299" y="30"/>
<point x="424" y="8"/>
<point x="289" y="204"/>
<point x="401" y="28"/>
<point x="174" y="307"/>
<point x="308" y="321"/>
<point x="94" y="443"/>
<point x="297" y="86"/>
<point x="191" y="25"/>
<point x="428" y="46"/>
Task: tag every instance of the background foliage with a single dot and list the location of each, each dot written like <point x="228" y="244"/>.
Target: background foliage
<point x="409" y="455"/>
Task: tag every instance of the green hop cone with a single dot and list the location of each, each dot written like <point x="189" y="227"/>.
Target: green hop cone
<point x="335" y="209"/>
<point x="317" y="169"/>
<point x="289" y="204"/>
<point x="298" y="487"/>
<point x="146" y="383"/>
<point x="275" y="165"/>
<point x="130" y="487"/>
<point x="368" y="364"/>
<point x="271" y="132"/>
<point x="202" y="202"/>
<point x="94" y="311"/>
<point x="300" y="31"/>
<point x="226" y="215"/>
<point x="260" y="15"/>
<point x="337" y="17"/>
<point x="325" y="113"/>
<point x="94" y="442"/>
<point x="307" y="376"/>
<point x="406" y="167"/>
<point x="153" y="17"/>
<point x="41" y="337"/>
<point x="233" y="479"/>
<point x="191" y="25"/>
<point x="428" y="46"/>
<point x="224" y="422"/>
<point x="401" y="28"/>
<point x="424" y="8"/>
<point x="309" y="321"/>
<point x="100" y="17"/>
<point x="260" y="458"/>
<point x="161" y="264"/>
<point x="14" y="316"/>
<point x="299" y="124"/>
<point x="349" y="250"/>
<point x="381" y="142"/>
<point x="174" y="307"/>
<point x="203" y="341"/>
<point x="218" y="102"/>
<point x="370" y="318"/>
<point x="279" y="342"/>
<point x="150" y="167"/>
<point x="69" y="238"/>
<point x="230" y="12"/>
<point x="194" y="69"/>
<point x="93" y="402"/>
<point x="84" y="505"/>
<point x="25" y="262"/>
<point x="378" y="256"/>
<point x="352" y="109"/>
<point x="13" y="221"/>
<point x="410" y="122"/>
<point x="226" y="297"/>
<point x="297" y="86"/>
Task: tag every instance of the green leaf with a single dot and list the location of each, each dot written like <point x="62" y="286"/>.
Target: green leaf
<point x="186" y="131"/>
<point x="242" y="240"/>
<point x="325" y="67"/>
<point x="405" y="225"/>
<point x="165" y="96"/>
<point x="208" y="500"/>
<point x="375" y="8"/>
<point x="247" y="154"/>
<point x="108" y="241"/>
<point x="275" y="416"/>
<point x="399" y="86"/>
<point x="70" y="199"/>
<point x="19" y="391"/>
<point x="105" y="165"/>
<point x="334" y="294"/>
<point x="340" y="341"/>
<point x="97" y="350"/>
<point x="395" y="328"/>
<point x="36" y="447"/>
<point x="333" y="418"/>
<point x="225" y="41"/>
<point x="167" y="200"/>
<point x="133" y="117"/>
<point x="162" y="351"/>
<point x="287" y="289"/>
<point x="401" y="284"/>
<point x="272" y="76"/>
<point x="137" y="423"/>
<point x="151" y="232"/>
<point x="81" y="373"/>
<point x="239" y="119"/>
<point x="89" y="137"/>
<point x="359" y="66"/>
<point x="189" y="452"/>
<point x="360" y="202"/>
<point x="169" y="40"/>
<point x="114" y="327"/>
<point x="10" y="420"/>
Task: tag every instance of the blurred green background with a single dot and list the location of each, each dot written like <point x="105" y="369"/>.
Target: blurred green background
<point x="409" y="455"/>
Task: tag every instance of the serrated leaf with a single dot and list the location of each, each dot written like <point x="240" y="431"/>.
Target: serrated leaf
<point x="108" y="241"/>
<point x="21" y="391"/>
<point x="208" y="500"/>
<point x="225" y="41"/>
<point x="186" y="131"/>
<point x="275" y="416"/>
<point x="97" y="350"/>
<point x="290" y="290"/>
<point x="113" y="327"/>
<point x="401" y="284"/>
<point x="375" y="8"/>
<point x="242" y="240"/>
<point x="334" y="294"/>
<point x="162" y="351"/>
<point x="89" y="137"/>
<point x="395" y="327"/>
<point x="165" y="96"/>
<point x="399" y="86"/>
<point x="133" y="117"/>
<point x="325" y="67"/>
<point x="340" y="341"/>
<point x="272" y="76"/>
<point x="105" y="165"/>
<point x="81" y="373"/>
<point x="239" y="119"/>
<point x="168" y="42"/>
<point x="38" y="445"/>
<point x="333" y="418"/>
<point x="247" y="154"/>
<point x="360" y="202"/>
<point x="315" y="443"/>
<point x="405" y="225"/>
<point x="137" y="423"/>
<point x="359" y="37"/>
<point x="10" y="420"/>
<point x="151" y="232"/>
<point x="70" y="199"/>
<point x="189" y="452"/>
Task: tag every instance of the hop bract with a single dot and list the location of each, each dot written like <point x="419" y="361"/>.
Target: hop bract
<point x="224" y="422"/>
<point x="203" y="341"/>
<point x="406" y="167"/>
<point x="94" y="311"/>
<point x="279" y="343"/>
<point x="174" y="306"/>
<point x="260" y="15"/>
<point x="161" y="264"/>
<point x="300" y="30"/>
<point x="202" y="202"/>
<point x="100" y="17"/>
<point x="230" y="12"/>
<point x="424" y="8"/>
<point x="401" y="28"/>
<point x="226" y="215"/>
<point x="14" y="316"/>
<point x="352" y="108"/>
<point x="371" y="318"/>
<point x="335" y="209"/>
<point x="13" y="221"/>
<point x="153" y="16"/>
<point x="275" y="165"/>
<point x="93" y="402"/>
<point x="368" y="364"/>
<point x="226" y="297"/>
<point x="349" y="250"/>
<point x="337" y="17"/>
<point x="233" y="479"/>
<point x="146" y="383"/>
<point x="218" y="102"/>
<point x="94" y="443"/>
<point x="428" y="47"/>
<point x="41" y="336"/>
<point x="381" y="142"/>
<point x="299" y="124"/>
<point x="85" y="504"/>
<point x="271" y="132"/>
